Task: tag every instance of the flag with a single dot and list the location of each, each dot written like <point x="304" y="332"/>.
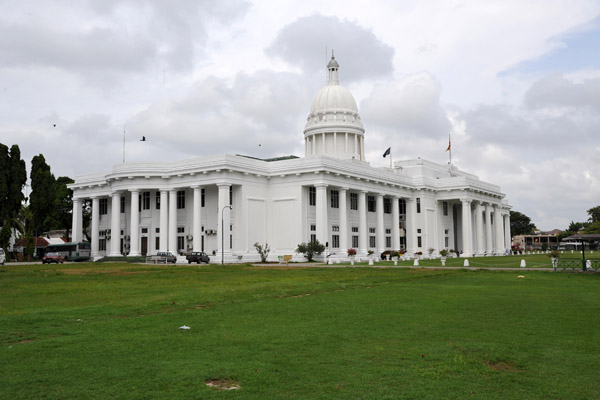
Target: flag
<point x="388" y="151"/>
<point x="449" y="144"/>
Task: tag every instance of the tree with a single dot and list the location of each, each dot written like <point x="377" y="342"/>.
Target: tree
<point x="263" y="251"/>
<point x="63" y="203"/>
<point x="594" y="214"/>
<point x="13" y="177"/>
<point x="43" y="195"/>
<point x="575" y="226"/>
<point x="520" y="224"/>
<point x="310" y="249"/>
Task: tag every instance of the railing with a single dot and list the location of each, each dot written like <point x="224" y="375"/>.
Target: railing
<point x="577" y="263"/>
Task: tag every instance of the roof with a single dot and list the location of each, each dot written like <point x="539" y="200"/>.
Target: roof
<point x="590" y="237"/>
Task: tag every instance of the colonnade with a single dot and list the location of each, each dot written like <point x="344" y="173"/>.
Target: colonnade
<point x="167" y="220"/>
<point x="495" y="242"/>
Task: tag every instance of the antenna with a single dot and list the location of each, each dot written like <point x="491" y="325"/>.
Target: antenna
<point x="123" y="144"/>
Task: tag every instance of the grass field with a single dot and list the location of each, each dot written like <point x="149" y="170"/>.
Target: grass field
<point x="112" y="331"/>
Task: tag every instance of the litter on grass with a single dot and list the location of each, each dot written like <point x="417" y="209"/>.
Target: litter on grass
<point x="184" y="327"/>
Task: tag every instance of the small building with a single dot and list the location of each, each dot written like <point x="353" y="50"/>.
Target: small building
<point x="538" y="240"/>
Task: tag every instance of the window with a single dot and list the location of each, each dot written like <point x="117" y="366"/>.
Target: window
<point x="355" y="229"/>
<point x="419" y="230"/>
<point x="158" y="201"/>
<point x="157" y="230"/>
<point x="388" y="242"/>
<point x="372" y="242"/>
<point x="122" y="204"/>
<point x="335" y="241"/>
<point x="445" y="207"/>
<point x="312" y="196"/>
<point x="372" y="230"/>
<point x="418" y="205"/>
<point x="354" y="241"/>
<point x="446" y="242"/>
<point x="335" y="228"/>
<point x="230" y="197"/>
<point x="180" y="199"/>
<point x="313" y="237"/>
<point x="180" y="243"/>
<point x="103" y="206"/>
<point x="402" y="206"/>
<point x="157" y="243"/>
<point x="388" y="231"/>
<point x="387" y="205"/>
<point x="446" y="231"/>
<point x="371" y="204"/>
<point x="180" y="229"/>
<point x="313" y="227"/>
<point x="145" y="200"/>
<point x="335" y="199"/>
<point x="139" y="202"/>
<point x="102" y="244"/>
<point x="144" y="230"/>
<point x="354" y="201"/>
<point x="419" y="244"/>
<point x="402" y="242"/>
<point x="202" y="197"/>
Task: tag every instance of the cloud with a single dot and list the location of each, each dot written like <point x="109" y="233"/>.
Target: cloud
<point x="555" y="90"/>
<point x="410" y="105"/>
<point x="303" y="43"/>
<point x="219" y="116"/>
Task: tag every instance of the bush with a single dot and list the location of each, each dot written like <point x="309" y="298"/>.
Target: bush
<point x="263" y="251"/>
<point x="310" y="249"/>
<point x="351" y="252"/>
<point x="443" y="252"/>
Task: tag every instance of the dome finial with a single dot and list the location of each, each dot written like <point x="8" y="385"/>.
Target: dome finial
<point x="332" y="67"/>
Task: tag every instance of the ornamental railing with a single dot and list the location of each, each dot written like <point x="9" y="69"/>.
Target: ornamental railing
<point x="578" y="263"/>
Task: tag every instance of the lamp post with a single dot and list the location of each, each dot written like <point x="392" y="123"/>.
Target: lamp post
<point x="223" y="236"/>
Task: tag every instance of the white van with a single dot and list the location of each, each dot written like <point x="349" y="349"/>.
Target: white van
<point x="2" y="256"/>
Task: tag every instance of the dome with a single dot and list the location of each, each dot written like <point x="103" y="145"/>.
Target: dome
<point x="333" y="98"/>
<point x="333" y="127"/>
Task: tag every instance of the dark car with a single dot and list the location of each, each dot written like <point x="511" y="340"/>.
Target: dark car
<point x="197" y="257"/>
<point x="53" y="258"/>
<point x="170" y="256"/>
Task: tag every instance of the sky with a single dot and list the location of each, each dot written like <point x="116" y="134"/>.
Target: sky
<point x="516" y="84"/>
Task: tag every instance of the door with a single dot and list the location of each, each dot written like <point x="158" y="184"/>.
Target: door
<point x="144" y="245"/>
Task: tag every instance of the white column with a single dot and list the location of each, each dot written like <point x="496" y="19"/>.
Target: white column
<point x="362" y="147"/>
<point x="323" y="144"/>
<point x="115" y="225"/>
<point x="321" y="213"/>
<point x="343" y="221"/>
<point x="411" y="229"/>
<point x="480" y="233"/>
<point x="499" y="231"/>
<point x="95" y="234"/>
<point x="507" y="236"/>
<point x="197" y="221"/>
<point x="489" y="247"/>
<point x="380" y="228"/>
<point x="172" y="241"/>
<point x="466" y="228"/>
<point x="134" y="249"/>
<point x="164" y="221"/>
<point x="395" y="223"/>
<point x="76" y="229"/>
<point x="362" y="223"/>
<point x="224" y="214"/>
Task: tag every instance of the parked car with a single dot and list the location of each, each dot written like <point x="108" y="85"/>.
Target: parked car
<point x="197" y="257"/>
<point x="172" y="258"/>
<point x="2" y="256"/>
<point x="53" y="258"/>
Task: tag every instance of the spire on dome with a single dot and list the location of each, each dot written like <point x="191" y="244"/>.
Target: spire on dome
<point x="332" y="67"/>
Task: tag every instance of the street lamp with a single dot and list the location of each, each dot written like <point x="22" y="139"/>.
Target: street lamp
<point x="223" y="236"/>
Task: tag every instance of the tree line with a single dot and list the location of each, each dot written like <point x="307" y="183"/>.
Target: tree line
<point x="520" y="224"/>
<point x="48" y="207"/>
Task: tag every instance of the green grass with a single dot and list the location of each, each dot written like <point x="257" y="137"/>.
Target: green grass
<point x="111" y="331"/>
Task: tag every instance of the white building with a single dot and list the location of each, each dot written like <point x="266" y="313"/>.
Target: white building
<point x="331" y="194"/>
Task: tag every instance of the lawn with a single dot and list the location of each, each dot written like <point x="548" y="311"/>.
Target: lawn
<point x="112" y="331"/>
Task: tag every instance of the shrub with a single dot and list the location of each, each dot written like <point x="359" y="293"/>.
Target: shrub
<point x="443" y="252"/>
<point x="351" y="252"/>
<point x="310" y="249"/>
<point x="395" y="253"/>
<point x="263" y="251"/>
<point x="431" y="250"/>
